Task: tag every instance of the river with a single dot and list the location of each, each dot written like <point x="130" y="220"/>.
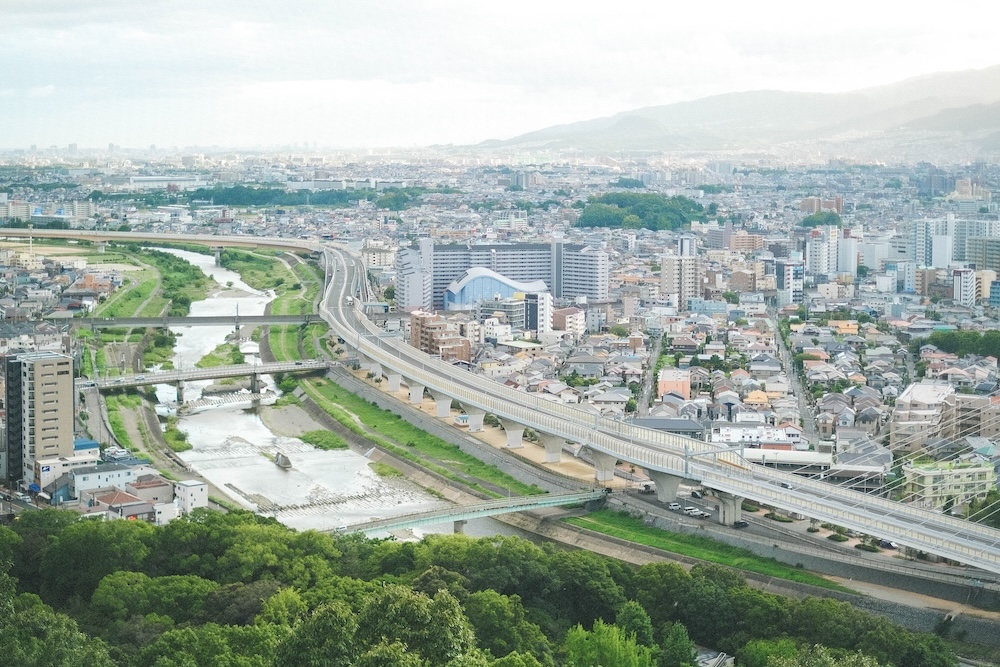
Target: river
<point x="234" y="449"/>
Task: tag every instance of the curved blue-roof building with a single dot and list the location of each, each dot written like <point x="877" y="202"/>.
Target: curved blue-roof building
<point x="479" y="284"/>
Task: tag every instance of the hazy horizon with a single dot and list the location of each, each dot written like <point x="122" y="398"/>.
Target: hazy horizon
<point x="381" y="74"/>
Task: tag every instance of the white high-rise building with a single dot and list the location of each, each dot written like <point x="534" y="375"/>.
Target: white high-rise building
<point x="964" y="287"/>
<point x="943" y="249"/>
<point x="847" y="255"/>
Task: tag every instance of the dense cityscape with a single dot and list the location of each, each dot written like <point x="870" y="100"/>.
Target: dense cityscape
<point x="832" y="321"/>
<point x="447" y="334"/>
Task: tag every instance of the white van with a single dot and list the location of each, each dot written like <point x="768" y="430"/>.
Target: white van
<point x="674" y="506"/>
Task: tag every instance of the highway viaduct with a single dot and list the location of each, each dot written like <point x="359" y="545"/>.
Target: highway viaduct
<point x="668" y="458"/>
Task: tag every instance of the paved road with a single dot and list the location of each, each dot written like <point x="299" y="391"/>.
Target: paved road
<point x="649" y="380"/>
<point x="805" y="408"/>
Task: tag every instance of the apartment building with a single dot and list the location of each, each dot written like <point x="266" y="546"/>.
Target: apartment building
<point x="436" y="336"/>
<point x="426" y="271"/>
<point x="39" y="397"/>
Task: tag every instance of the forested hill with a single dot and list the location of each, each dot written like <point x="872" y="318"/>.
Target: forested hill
<point x="244" y="591"/>
<point x="637" y="210"/>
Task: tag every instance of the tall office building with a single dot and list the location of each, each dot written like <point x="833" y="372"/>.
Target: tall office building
<point x="568" y="270"/>
<point x="39" y="400"/>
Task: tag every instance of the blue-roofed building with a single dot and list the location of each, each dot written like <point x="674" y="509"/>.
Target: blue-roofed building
<point x="479" y="284"/>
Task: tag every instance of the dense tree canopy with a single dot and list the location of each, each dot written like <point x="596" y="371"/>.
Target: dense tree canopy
<point x="822" y="219"/>
<point x="632" y="210"/>
<point x="963" y="342"/>
<point x="242" y="590"/>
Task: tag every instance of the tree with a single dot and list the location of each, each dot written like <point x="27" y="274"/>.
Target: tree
<point x="634" y="620"/>
<point x="325" y="639"/>
<point x="389" y="293"/>
<point x="759" y="652"/>
<point x="87" y="551"/>
<point x="677" y="649"/>
<point x="604" y="646"/>
<point x="619" y="330"/>
<point x="658" y="587"/>
<point x="587" y="591"/>
<point x="822" y="219"/>
<point x="731" y="297"/>
<point x="631" y="406"/>
<point x="33" y="635"/>
<point x="501" y="626"/>
<point x="385" y="654"/>
<point x="820" y="656"/>
<point x="435" y="628"/>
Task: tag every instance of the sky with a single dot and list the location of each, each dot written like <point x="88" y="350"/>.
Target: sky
<point x="379" y="73"/>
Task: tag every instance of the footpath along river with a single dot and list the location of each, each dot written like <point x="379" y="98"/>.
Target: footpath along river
<point x="234" y="447"/>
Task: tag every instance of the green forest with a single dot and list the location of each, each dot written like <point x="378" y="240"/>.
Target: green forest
<point x="637" y="210"/>
<point x="239" y="590"/>
<point x="962" y="343"/>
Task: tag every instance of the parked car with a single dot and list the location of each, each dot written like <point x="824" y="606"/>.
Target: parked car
<point x="702" y="514"/>
<point x="674" y="506"/>
<point x="691" y="511"/>
<point x="697" y="494"/>
<point x="23" y="497"/>
<point x="740" y="524"/>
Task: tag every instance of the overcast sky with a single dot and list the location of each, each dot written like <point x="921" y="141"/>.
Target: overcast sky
<point x="401" y="73"/>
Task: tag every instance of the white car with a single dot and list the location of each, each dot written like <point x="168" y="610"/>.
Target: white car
<point x="691" y="511"/>
<point x="674" y="506"/>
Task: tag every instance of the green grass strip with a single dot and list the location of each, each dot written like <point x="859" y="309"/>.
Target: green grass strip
<point x="324" y="440"/>
<point x="420" y="446"/>
<point x="625" y="527"/>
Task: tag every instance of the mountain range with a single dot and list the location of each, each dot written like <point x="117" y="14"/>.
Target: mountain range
<point x="946" y="111"/>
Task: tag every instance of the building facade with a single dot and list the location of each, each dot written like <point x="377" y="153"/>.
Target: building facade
<point x="39" y="400"/>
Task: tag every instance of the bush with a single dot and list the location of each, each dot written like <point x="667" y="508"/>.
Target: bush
<point x="837" y="537"/>
<point x="324" y="440"/>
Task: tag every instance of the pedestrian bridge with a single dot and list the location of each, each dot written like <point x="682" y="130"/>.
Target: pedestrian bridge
<point x="179" y="377"/>
<point x="462" y="513"/>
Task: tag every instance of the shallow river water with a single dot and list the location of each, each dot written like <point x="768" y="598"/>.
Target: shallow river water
<point x="234" y="449"/>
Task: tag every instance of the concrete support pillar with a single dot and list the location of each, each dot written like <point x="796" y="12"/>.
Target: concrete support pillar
<point x="459" y="527"/>
<point x="416" y="393"/>
<point x="180" y="392"/>
<point x="370" y="365"/>
<point x="102" y="246"/>
<point x="666" y="485"/>
<point x="255" y="384"/>
<point x="604" y="465"/>
<point x="553" y="446"/>
<point x="730" y="508"/>
<point x="475" y="416"/>
<point x="442" y="404"/>
<point x="218" y="256"/>
<point x="514" y="432"/>
<point x="394" y="381"/>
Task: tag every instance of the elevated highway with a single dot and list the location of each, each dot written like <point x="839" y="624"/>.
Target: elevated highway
<point x="667" y="457"/>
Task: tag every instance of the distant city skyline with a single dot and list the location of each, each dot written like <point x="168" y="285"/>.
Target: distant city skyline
<point x="381" y="73"/>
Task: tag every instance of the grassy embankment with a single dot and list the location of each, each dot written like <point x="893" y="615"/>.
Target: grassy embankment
<point x="294" y="291"/>
<point x="632" y="529"/>
<point x="400" y="437"/>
